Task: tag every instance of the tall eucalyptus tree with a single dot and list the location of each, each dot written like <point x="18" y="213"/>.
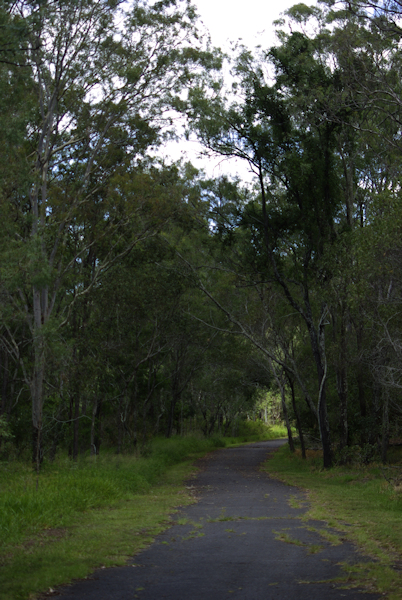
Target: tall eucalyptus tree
<point x="103" y="76"/>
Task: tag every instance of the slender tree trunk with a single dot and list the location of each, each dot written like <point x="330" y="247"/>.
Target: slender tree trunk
<point x="169" y="429"/>
<point x="342" y="386"/>
<point x="281" y="384"/>
<point x="37" y="398"/>
<point x="83" y="406"/>
<point x="361" y="394"/>
<point x="119" y="426"/>
<point x="297" y="415"/>
<point x="76" y="423"/>
<point x="71" y="426"/>
<point x="286" y="417"/>
<point x="361" y="388"/>
<point x="375" y="413"/>
<point x="4" y="381"/>
<point x="318" y="348"/>
<point x="145" y="409"/>
<point x="324" y="427"/>
<point x="135" y="415"/>
<point x="173" y="402"/>
<point x="93" y="425"/>
<point x="97" y="440"/>
<point x="385" y="427"/>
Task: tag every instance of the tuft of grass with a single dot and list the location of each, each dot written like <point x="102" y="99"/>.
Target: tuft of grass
<point x="360" y="503"/>
<point x="314" y="548"/>
<point x="285" y="537"/>
<point x="294" y="502"/>
<point x="223" y="519"/>
<point x="333" y="538"/>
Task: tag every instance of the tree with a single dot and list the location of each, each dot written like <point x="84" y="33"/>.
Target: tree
<point x="102" y="74"/>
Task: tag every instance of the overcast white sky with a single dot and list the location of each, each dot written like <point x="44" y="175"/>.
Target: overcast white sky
<point x="250" y="20"/>
<point x="228" y="21"/>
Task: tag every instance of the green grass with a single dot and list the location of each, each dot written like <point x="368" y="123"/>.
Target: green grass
<point x="358" y="502"/>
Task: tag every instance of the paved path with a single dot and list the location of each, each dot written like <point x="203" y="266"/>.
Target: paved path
<point x="233" y="544"/>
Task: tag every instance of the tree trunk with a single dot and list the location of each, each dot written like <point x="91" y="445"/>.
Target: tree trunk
<point x="286" y="417"/>
<point x="318" y="348"/>
<point x="361" y="393"/>
<point x="4" y="381"/>
<point x="96" y="433"/>
<point x="281" y="384"/>
<point x="173" y="402"/>
<point x="385" y="427"/>
<point x="375" y="413"/>
<point x="169" y="428"/>
<point x="76" y="423"/>
<point x="93" y="422"/>
<point x="297" y="415"/>
<point x="37" y="398"/>
<point x="119" y="426"/>
<point x="342" y="386"/>
<point x="325" y="433"/>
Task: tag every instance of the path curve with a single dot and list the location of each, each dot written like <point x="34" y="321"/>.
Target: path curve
<point x="244" y="539"/>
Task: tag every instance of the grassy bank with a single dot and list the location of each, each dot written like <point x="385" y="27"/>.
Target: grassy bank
<point x="362" y="505"/>
<point x="96" y="512"/>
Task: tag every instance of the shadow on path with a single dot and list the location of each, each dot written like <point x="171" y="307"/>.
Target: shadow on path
<point x="244" y="539"/>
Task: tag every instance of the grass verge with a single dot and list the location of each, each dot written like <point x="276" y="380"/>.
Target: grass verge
<point x="358" y="502"/>
<point x="99" y="538"/>
<point x="96" y="512"/>
<point x="88" y="514"/>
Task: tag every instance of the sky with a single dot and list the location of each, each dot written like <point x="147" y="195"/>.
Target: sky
<point x="250" y="20"/>
<point x="228" y="21"/>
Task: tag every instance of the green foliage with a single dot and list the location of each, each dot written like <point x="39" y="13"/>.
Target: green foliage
<point x="5" y="432"/>
<point x="358" y="455"/>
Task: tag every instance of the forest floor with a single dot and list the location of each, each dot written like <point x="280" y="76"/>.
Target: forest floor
<point x="248" y="536"/>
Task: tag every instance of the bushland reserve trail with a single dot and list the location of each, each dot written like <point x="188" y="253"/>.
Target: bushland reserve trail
<point x="243" y="539"/>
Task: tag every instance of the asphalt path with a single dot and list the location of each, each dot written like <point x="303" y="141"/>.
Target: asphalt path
<point x="244" y="539"/>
